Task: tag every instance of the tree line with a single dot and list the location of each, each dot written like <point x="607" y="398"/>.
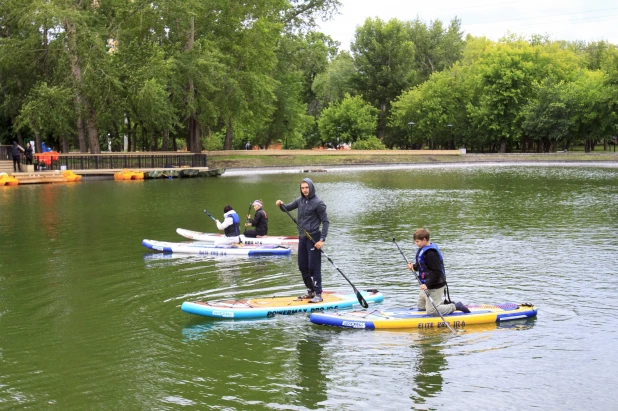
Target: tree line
<point x="217" y="74"/>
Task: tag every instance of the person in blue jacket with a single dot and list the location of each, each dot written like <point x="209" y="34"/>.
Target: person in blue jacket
<point x="230" y="226"/>
<point x="430" y="266"/>
<point x="311" y="215"/>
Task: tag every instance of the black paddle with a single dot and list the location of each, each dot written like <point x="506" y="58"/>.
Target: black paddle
<point x="426" y="291"/>
<point x="208" y="214"/>
<point x="248" y="214"/>
<point x="360" y="298"/>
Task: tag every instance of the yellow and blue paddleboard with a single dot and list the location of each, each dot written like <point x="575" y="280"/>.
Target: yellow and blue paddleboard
<point x="373" y="319"/>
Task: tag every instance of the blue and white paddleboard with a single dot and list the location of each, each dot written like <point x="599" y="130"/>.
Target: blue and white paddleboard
<point x="271" y="306"/>
<point x="203" y="248"/>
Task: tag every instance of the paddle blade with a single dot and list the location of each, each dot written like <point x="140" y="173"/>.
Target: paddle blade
<point x="361" y="300"/>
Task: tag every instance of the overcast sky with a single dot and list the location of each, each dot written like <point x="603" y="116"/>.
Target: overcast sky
<point x="590" y="20"/>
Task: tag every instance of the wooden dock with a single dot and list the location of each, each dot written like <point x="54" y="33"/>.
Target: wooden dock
<point x="46" y="177"/>
<point x="40" y="178"/>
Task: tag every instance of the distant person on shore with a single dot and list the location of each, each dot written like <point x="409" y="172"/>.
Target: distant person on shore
<point x="248" y="146"/>
<point x="259" y="221"/>
<point x="430" y="267"/>
<point x="230" y="227"/>
<point x="311" y="214"/>
<point x="16" y="154"/>
<point x="28" y="153"/>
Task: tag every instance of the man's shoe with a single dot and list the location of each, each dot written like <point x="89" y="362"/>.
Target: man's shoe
<point x="317" y="299"/>
<point x="459" y="306"/>
<point x="308" y="296"/>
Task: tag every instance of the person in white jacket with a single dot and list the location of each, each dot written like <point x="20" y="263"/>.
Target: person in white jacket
<point x="230" y="227"/>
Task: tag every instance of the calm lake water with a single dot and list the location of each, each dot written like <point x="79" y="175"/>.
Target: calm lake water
<point x="90" y="319"/>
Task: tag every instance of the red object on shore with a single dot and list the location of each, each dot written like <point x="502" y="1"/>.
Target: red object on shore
<point x="47" y="157"/>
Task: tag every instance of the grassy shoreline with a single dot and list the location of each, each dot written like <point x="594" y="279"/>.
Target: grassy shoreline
<point x="243" y="161"/>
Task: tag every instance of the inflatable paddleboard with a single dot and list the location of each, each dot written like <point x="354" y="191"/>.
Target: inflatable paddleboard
<point x="414" y="318"/>
<point x="212" y="237"/>
<point x="204" y="248"/>
<point x="271" y="306"/>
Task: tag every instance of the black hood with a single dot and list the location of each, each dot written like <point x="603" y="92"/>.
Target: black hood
<point x="311" y="188"/>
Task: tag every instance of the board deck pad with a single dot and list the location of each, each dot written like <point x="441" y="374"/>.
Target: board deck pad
<point x="271" y="306"/>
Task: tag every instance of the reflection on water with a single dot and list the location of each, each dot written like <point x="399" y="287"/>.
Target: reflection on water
<point x="430" y="362"/>
<point x="311" y="370"/>
<point x="88" y="320"/>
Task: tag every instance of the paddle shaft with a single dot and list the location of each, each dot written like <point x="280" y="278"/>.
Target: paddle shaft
<point x="208" y="214"/>
<point x="359" y="296"/>
<point x="426" y="291"/>
<point x="249" y="213"/>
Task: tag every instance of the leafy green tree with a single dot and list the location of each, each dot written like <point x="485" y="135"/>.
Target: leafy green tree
<point x="547" y="116"/>
<point x="437" y="110"/>
<point x="22" y="63"/>
<point x="335" y="81"/>
<point x="372" y="143"/>
<point x="505" y="75"/>
<point x="435" y="48"/>
<point x="47" y="111"/>
<point x="349" y="121"/>
<point x="384" y="59"/>
<point x="592" y="116"/>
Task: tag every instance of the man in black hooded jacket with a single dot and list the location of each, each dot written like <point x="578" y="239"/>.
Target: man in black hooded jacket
<point x="311" y="214"/>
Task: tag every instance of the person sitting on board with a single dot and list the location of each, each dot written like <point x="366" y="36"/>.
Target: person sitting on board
<point x="230" y="227"/>
<point x="260" y="221"/>
<point x="430" y="265"/>
<point x="311" y="213"/>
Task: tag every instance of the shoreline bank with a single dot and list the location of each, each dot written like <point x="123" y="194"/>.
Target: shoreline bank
<point x="266" y="163"/>
<point x="376" y="167"/>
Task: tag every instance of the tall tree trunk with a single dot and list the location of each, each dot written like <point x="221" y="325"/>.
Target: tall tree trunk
<point x="193" y="140"/>
<point x="143" y="147"/>
<point x="155" y="142"/>
<point x="193" y="126"/>
<point x="502" y="145"/>
<point x="135" y="148"/>
<point x="45" y="50"/>
<point x="93" y="135"/>
<point x="81" y="136"/>
<point x="129" y="132"/>
<point x="76" y="71"/>
<point x="229" y="134"/>
<point x="115" y="135"/>
<point x="64" y="141"/>
<point x="382" y="121"/>
<point x="37" y="141"/>
<point x="165" y="136"/>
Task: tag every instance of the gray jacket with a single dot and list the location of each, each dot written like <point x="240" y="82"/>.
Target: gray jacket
<point x="311" y="213"/>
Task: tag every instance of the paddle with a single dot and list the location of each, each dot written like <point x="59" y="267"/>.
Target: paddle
<point x="360" y="298"/>
<point x="248" y="214"/>
<point x="426" y="291"/>
<point x="208" y="214"/>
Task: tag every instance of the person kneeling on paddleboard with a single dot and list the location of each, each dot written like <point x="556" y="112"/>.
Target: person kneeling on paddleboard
<point x="230" y="227"/>
<point x="311" y="214"/>
<point x="430" y="265"/>
<point x="260" y="221"/>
